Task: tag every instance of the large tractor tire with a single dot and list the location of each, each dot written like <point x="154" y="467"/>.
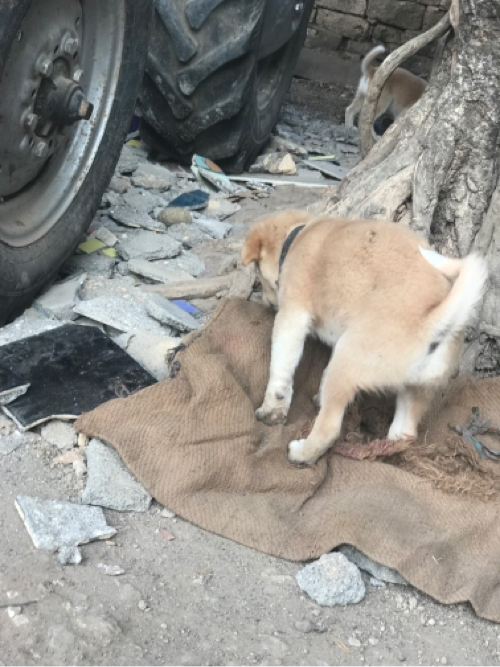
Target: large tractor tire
<point x="69" y="77"/>
<point x="217" y="74"/>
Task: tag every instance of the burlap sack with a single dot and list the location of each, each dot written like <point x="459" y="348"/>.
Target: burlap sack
<point x="194" y="443"/>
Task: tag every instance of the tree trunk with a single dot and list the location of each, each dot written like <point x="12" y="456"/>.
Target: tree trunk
<point x="437" y="168"/>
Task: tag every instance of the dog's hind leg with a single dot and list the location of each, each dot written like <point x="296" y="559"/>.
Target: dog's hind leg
<point x="338" y="390"/>
<point x="289" y="333"/>
<point x="412" y="403"/>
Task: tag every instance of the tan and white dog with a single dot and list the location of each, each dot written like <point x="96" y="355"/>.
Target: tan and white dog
<point x="393" y="310"/>
<point x="402" y="89"/>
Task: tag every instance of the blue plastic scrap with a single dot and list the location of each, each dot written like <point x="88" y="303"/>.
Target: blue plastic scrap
<point x="187" y="307"/>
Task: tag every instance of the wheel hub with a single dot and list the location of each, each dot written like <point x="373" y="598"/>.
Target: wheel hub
<point x="41" y="92"/>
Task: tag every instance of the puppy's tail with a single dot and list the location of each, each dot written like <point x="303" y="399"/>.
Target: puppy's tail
<point x="369" y="58"/>
<point x="454" y="313"/>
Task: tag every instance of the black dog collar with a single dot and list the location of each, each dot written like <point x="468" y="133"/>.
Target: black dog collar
<point x="288" y="243"/>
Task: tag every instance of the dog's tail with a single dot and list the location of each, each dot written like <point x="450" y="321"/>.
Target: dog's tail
<point x="369" y="58"/>
<point x="454" y="313"/>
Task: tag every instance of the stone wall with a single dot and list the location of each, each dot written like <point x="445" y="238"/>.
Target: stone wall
<point x="355" y="26"/>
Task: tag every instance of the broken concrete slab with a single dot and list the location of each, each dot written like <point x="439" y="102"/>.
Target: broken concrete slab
<point x="130" y="218"/>
<point x="188" y="262"/>
<point x="153" y="177"/>
<point x="9" y="443"/>
<point x="119" y="313"/>
<point x="59" y="433"/>
<point x="143" y="202"/>
<point x="53" y="524"/>
<point x="106" y="236"/>
<point x="93" y="264"/>
<point x="377" y="570"/>
<point x="149" y="350"/>
<point x="159" y="271"/>
<point x="222" y="208"/>
<point x="192" y="289"/>
<point x="25" y="327"/>
<point x="188" y="235"/>
<point x="214" y="227"/>
<point x="327" y="168"/>
<point x="167" y="313"/>
<point x="109" y="482"/>
<point x="123" y="287"/>
<point x="148" y="245"/>
<point x="59" y="300"/>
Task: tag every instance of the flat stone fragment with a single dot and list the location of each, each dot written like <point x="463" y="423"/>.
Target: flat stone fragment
<point x="52" y="524"/>
<point x="58" y="300"/>
<point x="332" y="580"/>
<point x="110" y="484"/>
<point x="93" y="264"/>
<point x="188" y="235"/>
<point x="119" y="184"/>
<point x="327" y="168"/>
<point x="167" y="313"/>
<point x="214" y="227"/>
<point x="377" y="570"/>
<point x="161" y="271"/>
<point x="153" y="177"/>
<point x="148" y="245"/>
<point x="143" y="202"/>
<point x="23" y="328"/>
<point x="106" y="236"/>
<point x="118" y="313"/>
<point x="188" y="262"/>
<point x="130" y="218"/>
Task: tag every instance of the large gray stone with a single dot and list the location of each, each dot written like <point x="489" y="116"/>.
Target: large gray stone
<point x="168" y="313"/>
<point x="110" y="484"/>
<point x="188" y="235"/>
<point x="377" y="570"/>
<point x="119" y="313"/>
<point x="59" y="300"/>
<point x="148" y="245"/>
<point x="332" y="580"/>
<point x="174" y="215"/>
<point x="52" y="524"/>
<point x="153" y="177"/>
<point x="131" y="218"/>
<point x="158" y="271"/>
<point x="214" y="227"/>
<point x="187" y="261"/>
<point x="59" y="433"/>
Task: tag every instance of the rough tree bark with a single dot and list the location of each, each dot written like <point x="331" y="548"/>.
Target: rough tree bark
<point x="437" y="168"/>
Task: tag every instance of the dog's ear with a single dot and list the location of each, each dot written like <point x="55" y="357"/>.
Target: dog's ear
<point x="252" y="248"/>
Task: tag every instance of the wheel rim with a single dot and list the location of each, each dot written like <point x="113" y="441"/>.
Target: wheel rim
<point x="43" y="162"/>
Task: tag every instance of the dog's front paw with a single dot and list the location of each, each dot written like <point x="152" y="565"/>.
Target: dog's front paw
<point x="297" y="454"/>
<point x="271" y="416"/>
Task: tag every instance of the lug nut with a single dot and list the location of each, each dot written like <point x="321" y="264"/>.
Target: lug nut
<point x="31" y="121"/>
<point x="46" y="67"/>
<point x="70" y="46"/>
<point x="77" y="75"/>
<point x="41" y="149"/>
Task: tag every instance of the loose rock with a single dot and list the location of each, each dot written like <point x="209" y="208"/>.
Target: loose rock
<point x="377" y="570"/>
<point x="120" y="314"/>
<point x="110" y="484"/>
<point x="59" y="300"/>
<point x="162" y="272"/>
<point x="59" y="433"/>
<point x="167" y="313"/>
<point x="148" y="245"/>
<point x="174" y="215"/>
<point x="69" y="555"/>
<point x="332" y="580"/>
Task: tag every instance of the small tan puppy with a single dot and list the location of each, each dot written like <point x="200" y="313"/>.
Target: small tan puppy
<point x="402" y="89"/>
<point x="394" y="311"/>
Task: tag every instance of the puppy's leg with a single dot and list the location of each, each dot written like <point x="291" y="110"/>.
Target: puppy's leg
<point x="412" y="403"/>
<point x="353" y="109"/>
<point x="290" y="330"/>
<point x="339" y="389"/>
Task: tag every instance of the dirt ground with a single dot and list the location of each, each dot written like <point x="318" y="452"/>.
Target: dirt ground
<point x="200" y="599"/>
